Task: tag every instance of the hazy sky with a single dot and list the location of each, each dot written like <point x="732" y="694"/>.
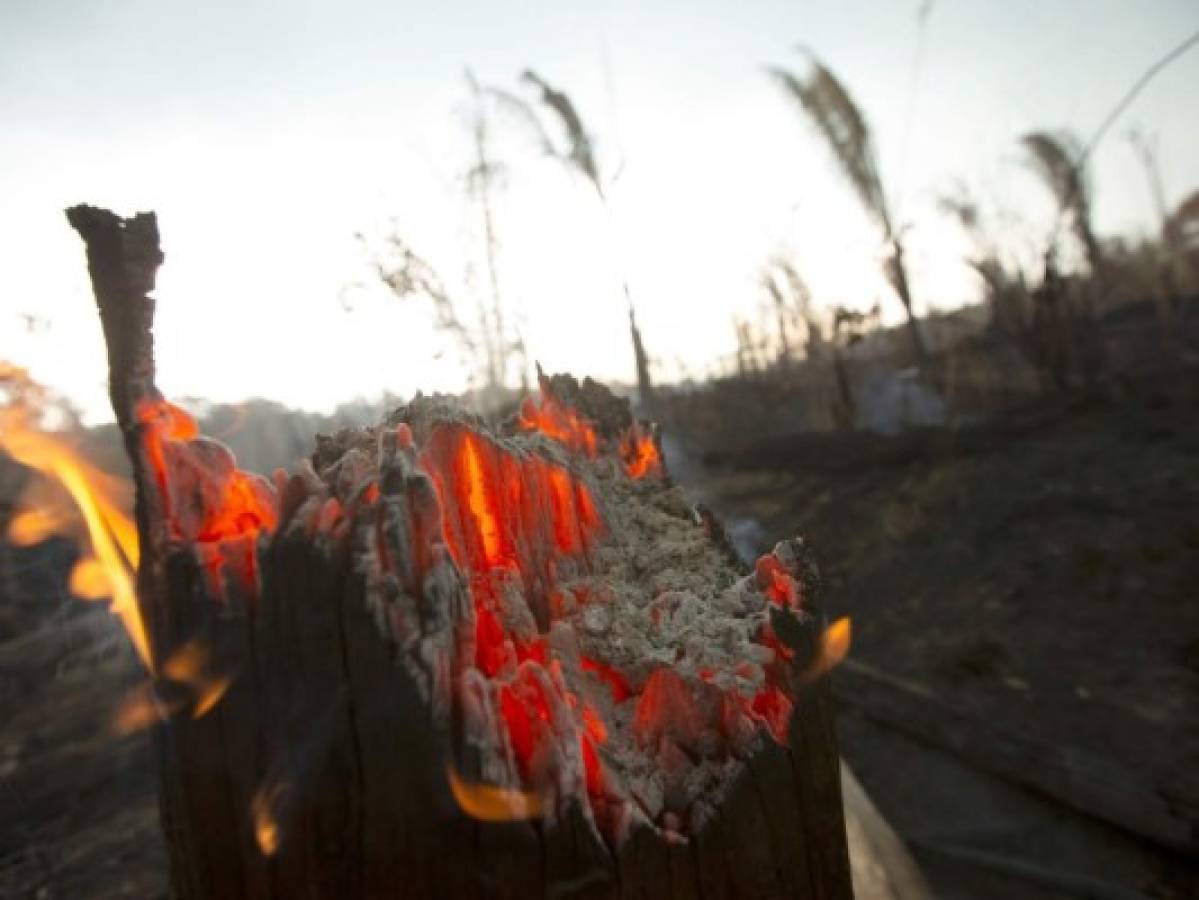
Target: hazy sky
<point x="266" y="134"/>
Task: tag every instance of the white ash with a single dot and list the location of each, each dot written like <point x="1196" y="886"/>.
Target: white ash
<point x="661" y="605"/>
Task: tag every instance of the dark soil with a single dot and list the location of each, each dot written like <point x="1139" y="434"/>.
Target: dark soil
<point x="1039" y="571"/>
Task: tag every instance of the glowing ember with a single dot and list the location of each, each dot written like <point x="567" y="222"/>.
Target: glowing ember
<point x="481" y="501"/>
<point x="517" y="520"/>
<point x="773" y="578"/>
<point x="559" y="422"/>
<point x="232" y="503"/>
<point x="616" y="682"/>
<point x="773" y="707"/>
<point x="639" y="453"/>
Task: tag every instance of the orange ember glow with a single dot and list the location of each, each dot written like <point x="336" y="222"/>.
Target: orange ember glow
<point x="559" y="422"/>
<point x="480" y="500"/>
<point x="78" y="493"/>
<point x="615" y="681"/>
<point x="505" y="517"/>
<point x="639" y="453"/>
<point x="238" y="506"/>
<point x="593" y="769"/>
<point x="773" y="578"/>
<point x="489" y="803"/>
<point x="241" y="511"/>
<point x="773" y="707"/>
<point x="595" y="725"/>
<point x="507" y="513"/>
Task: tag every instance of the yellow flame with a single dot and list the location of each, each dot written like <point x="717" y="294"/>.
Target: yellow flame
<point x="111" y="533"/>
<point x="209" y="695"/>
<point x="834" y="647"/>
<point x="489" y="803"/>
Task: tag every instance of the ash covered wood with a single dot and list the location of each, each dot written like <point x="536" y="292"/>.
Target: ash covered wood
<point x="474" y="661"/>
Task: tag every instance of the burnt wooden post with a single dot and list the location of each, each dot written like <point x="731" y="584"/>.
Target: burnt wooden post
<point x="444" y="660"/>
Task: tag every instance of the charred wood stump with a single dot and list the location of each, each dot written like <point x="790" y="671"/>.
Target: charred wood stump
<point x="445" y="659"/>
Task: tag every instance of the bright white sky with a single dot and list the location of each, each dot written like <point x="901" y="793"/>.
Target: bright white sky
<point x="266" y="134"/>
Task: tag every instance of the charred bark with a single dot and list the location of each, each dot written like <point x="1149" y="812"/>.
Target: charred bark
<point x="347" y="608"/>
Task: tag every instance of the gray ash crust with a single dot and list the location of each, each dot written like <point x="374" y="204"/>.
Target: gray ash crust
<point x="663" y="604"/>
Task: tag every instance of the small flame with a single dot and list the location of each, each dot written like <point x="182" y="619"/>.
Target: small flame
<point x="190" y="666"/>
<point x="138" y="710"/>
<point x="559" y="422"/>
<point x="834" y="647"/>
<point x="489" y="803"/>
<point x="110" y="533"/>
<point x="639" y="453"/>
<point x="34" y="525"/>
<point x="89" y="580"/>
<point x="264" y="806"/>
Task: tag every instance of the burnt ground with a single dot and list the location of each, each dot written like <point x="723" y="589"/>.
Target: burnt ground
<point x="78" y="804"/>
<point x="1037" y="575"/>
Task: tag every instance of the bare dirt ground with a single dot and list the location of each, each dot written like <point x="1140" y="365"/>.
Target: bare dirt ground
<point x="1038" y="575"/>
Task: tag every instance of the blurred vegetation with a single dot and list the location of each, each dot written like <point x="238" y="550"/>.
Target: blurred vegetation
<point x="1078" y="312"/>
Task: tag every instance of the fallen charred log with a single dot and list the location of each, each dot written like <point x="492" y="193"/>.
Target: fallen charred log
<point x="1156" y="806"/>
<point x="442" y="659"/>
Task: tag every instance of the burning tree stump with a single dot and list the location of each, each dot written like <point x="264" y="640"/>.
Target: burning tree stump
<point x="444" y="660"/>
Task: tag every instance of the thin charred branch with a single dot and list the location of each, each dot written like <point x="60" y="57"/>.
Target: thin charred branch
<point x="123" y="257"/>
